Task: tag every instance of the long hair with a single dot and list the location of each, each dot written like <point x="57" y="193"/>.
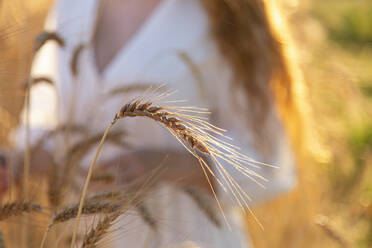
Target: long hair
<point x="251" y="38"/>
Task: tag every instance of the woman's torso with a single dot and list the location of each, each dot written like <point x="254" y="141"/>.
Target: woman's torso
<point x="172" y="47"/>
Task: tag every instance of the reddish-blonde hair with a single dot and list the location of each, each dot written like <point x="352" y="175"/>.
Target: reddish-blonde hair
<point x="250" y="37"/>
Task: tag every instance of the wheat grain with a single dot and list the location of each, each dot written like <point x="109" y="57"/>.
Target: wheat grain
<point x="103" y="177"/>
<point x="97" y="233"/>
<point x="106" y="196"/>
<point x="120" y="196"/>
<point x="158" y="114"/>
<point x="17" y="208"/>
<point x="88" y="209"/>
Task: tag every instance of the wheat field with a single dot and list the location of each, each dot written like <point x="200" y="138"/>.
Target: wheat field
<point x="330" y="207"/>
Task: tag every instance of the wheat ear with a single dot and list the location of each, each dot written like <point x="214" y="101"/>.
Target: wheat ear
<point x="97" y="233"/>
<point x="89" y="208"/>
<point x="103" y="177"/>
<point x="195" y="134"/>
<point x="71" y="212"/>
<point x="17" y="208"/>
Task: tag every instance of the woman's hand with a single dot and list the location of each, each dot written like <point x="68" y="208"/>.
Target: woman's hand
<point x="176" y="167"/>
<point x="40" y="165"/>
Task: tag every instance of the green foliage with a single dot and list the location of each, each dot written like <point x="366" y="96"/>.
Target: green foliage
<point x="349" y="23"/>
<point x="360" y="139"/>
<point x="354" y="27"/>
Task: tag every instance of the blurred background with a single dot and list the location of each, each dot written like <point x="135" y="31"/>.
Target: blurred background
<point x="332" y="205"/>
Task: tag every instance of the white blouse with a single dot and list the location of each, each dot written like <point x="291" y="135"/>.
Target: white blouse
<point x="155" y="54"/>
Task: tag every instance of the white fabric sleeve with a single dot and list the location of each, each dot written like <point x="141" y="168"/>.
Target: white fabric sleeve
<point x="43" y="99"/>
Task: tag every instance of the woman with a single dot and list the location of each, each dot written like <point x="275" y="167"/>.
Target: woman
<point x="219" y="54"/>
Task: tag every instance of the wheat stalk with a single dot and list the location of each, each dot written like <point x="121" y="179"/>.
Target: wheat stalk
<point x="78" y="150"/>
<point x="73" y="158"/>
<point x="54" y="192"/>
<point x="90" y="171"/>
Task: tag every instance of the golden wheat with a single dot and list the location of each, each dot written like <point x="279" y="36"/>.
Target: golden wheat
<point x="96" y="233"/>
<point x="103" y="177"/>
<point x="90" y="208"/>
<point x="197" y="135"/>
<point x="18" y="208"/>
